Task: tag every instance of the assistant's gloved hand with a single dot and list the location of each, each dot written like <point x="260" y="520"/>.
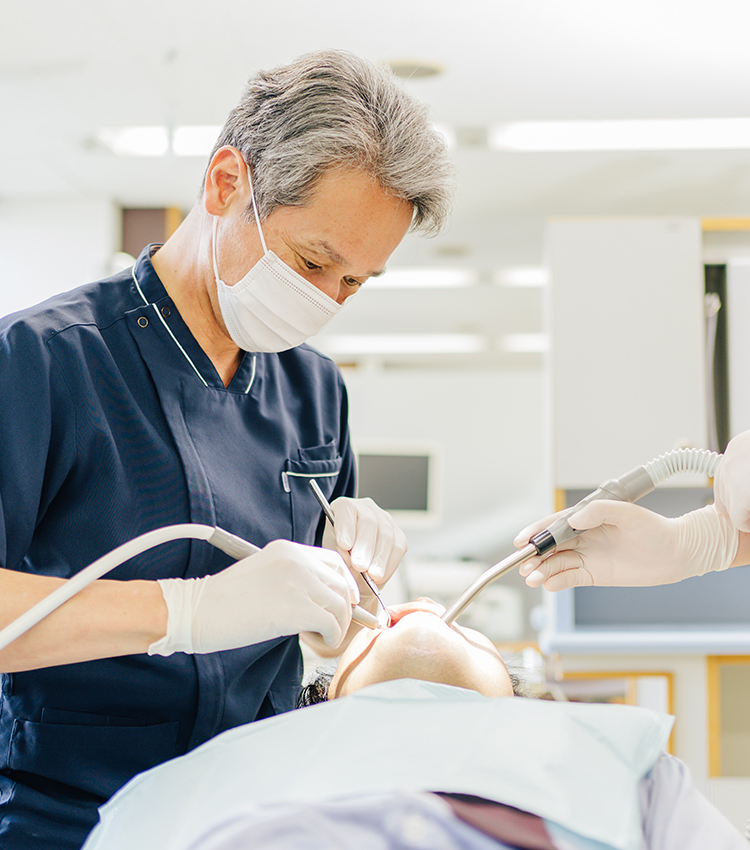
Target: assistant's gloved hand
<point x="367" y="537"/>
<point x="284" y="589"/>
<point x="732" y="482"/>
<point x="628" y="546"/>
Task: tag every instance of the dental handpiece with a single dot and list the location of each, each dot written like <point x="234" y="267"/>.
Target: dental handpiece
<point x="632" y="486"/>
<point x="323" y="502"/>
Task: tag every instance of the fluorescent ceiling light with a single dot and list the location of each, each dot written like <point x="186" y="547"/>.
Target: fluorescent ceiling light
<point x="188" y="140"/>
<point x="197" y="140"/>
<point x="402" y="344"/>
<point x="658" y="134"/>
<point x="522" y="276"/>
<point x="135" y="141"/>
<point x="524" y="343"/>
<point x="423" y="279"/>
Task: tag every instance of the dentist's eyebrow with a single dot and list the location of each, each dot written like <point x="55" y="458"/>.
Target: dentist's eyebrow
<point x="333" y="255"/>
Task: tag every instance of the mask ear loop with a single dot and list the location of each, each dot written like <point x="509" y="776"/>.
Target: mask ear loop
<point x="215" y="227"/>
<point x="213" y="251"/>
<point x="255" y="210"/>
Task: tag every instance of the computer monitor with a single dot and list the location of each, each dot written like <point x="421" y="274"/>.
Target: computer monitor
<point x="403" y="480"/>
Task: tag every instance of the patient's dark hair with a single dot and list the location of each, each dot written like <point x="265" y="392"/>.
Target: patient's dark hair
<point x="316" y="690"/>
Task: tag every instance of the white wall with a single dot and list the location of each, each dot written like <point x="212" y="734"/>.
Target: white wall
<point x="51" y="247"/>
<point x="491" y="430"/>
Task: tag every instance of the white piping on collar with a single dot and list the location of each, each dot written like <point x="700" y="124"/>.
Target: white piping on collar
<point x="138" y="286"/>
<point x="169" y="330"/>
<point x="176" y="342"/>
<point x="252" y="376"/>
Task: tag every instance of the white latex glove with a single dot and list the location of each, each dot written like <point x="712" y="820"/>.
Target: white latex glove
<point x="367" y="538"/>
<point x="629" y="546"/>
<point x="284" y="589"/>
<point x="732" y="482"/>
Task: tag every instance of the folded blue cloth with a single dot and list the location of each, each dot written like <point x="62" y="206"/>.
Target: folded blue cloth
<point x="576" y="765"/>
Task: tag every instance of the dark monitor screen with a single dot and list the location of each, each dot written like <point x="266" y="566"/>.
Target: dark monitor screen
<point x="720" y="600"/>
<point x="397" y="482"/>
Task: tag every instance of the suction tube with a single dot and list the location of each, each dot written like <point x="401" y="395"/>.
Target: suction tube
<point x="631" y="487"/>
<point x="218" y="537"/>
<point x="229" y="543"/>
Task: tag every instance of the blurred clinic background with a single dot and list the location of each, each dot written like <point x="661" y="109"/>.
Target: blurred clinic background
<point x="587" y="310"/>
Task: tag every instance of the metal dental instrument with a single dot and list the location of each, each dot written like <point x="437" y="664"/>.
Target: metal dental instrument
<point x="631" y="487"/>
<point x="323" y="502"/>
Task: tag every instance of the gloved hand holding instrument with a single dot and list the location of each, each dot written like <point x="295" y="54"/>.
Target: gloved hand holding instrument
<point x="623" y="544"/>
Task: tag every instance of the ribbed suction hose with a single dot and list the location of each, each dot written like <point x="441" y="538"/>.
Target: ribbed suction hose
<point x="682" y="460"/>
<point x="631" y="487"/>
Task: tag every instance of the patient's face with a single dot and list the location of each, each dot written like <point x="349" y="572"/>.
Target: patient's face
<point x="419" y="645"/>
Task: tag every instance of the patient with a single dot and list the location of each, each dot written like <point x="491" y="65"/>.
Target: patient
<point x="416" y="744"/>
<point x="419" y="645"/>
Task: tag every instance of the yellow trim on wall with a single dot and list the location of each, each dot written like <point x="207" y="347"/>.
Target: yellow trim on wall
<point x="172" y="220"/>
<point x="713" y="688"/>
<point x="726" y="224"/>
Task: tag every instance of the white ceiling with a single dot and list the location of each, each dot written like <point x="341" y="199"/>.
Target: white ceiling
<point x="68" y="69"/>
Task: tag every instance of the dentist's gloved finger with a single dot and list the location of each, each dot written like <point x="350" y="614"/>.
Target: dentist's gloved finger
<point x="373" y="536"/>
<point x="390" y="550"/>
<point x="580" y="577"/>
<point x="345" y="512"/>
<point x="340" y="578"/>
<point x="333" y="628"/>
<point x="398" y="550"/>
<point x="560" y="563"/>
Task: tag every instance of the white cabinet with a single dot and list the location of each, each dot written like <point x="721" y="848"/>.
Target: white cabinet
<point x="626" y="322"/>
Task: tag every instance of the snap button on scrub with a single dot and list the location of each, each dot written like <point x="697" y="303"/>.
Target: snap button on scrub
<point x="166" y="312"/>
<point x="143" y="321"/>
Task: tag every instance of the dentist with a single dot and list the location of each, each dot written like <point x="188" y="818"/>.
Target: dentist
<point x="182" y="390"/>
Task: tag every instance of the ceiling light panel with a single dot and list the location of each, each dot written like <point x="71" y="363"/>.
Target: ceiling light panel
<point x="645" y="135"/>
<point x="195" y="140"/>
<point x="402" y="344"/>
<point x="522" y="276"/>
<point x="524" y="343"/>
<point x="135" y="141"/>
<point x="420" y="278"/>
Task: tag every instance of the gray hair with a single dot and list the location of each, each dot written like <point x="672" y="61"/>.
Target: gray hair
<point x="332" y="109"/>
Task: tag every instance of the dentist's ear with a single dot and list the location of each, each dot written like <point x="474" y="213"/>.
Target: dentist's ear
<point x="223" y="180"/>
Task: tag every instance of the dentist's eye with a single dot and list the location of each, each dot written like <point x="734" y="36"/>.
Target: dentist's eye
<point x="350" y="281"/>
<point x="310" y="265"/>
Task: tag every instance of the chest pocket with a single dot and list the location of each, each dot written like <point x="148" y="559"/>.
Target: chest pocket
<point x="323" y="463"/>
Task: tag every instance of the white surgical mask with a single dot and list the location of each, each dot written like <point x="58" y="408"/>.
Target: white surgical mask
<point x="272" y="308"/>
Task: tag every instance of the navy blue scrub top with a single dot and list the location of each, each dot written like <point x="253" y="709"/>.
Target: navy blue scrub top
<point x="115" y="422"/>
